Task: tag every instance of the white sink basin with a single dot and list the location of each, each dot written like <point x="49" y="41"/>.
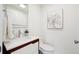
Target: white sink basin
<point x="19" y="41"/>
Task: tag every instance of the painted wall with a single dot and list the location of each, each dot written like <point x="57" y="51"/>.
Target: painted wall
<point x="63" y="40"/>
<point x="34" y="22"/>
<point x="1" y="25"/>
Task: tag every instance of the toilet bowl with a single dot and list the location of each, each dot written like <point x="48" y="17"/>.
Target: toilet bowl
<point x="46" y="48"/>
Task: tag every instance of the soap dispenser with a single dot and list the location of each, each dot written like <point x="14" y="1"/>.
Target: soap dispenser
<point x="26" y="32"/>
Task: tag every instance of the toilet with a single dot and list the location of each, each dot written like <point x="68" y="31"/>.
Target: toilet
<point x="46" y="48"/>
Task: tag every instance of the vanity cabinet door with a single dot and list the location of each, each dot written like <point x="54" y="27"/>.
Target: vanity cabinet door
<point x="30" y="49"/>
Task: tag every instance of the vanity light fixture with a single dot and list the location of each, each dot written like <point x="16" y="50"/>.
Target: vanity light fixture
<point x="22" y="5"/>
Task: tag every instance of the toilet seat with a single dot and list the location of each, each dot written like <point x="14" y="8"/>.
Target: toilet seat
<point x="45" y="48"/>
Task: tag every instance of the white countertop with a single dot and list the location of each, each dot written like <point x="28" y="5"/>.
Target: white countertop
<point x="19" y="41"/>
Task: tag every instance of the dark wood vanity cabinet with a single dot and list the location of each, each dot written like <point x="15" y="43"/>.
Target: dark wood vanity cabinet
<point x="26" y="48"/>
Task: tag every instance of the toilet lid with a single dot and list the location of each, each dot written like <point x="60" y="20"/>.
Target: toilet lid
<point x="47" y="47"/>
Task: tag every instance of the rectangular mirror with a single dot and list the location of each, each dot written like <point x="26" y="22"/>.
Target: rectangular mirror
<point x="17" y="20"/>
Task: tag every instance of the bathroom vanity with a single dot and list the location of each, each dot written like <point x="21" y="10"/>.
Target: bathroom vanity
<point x="16" y="32"/>
<point x="24" y="45"/>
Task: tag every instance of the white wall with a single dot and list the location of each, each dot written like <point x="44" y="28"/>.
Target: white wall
<point x="1" y="24"/>
<point x="34" y="22"/>
<point x="63" y="40"/>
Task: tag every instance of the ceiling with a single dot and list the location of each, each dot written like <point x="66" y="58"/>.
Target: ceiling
<point x="17" y="6"/>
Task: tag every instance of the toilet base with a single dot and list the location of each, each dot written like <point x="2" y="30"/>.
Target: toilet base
<point x="40" y="52"/>
<point x="45" y="52"/>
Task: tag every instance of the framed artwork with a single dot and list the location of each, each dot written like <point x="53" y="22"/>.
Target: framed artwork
<point x="55" y="19"/>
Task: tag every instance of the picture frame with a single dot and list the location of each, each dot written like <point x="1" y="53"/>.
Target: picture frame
<point x="55" y="19"/>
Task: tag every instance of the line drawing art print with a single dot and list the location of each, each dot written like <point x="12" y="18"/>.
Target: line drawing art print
<point x="55" y="19"/>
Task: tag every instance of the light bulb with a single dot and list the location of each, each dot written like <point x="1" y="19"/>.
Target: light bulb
<point x="22" y="5"/>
